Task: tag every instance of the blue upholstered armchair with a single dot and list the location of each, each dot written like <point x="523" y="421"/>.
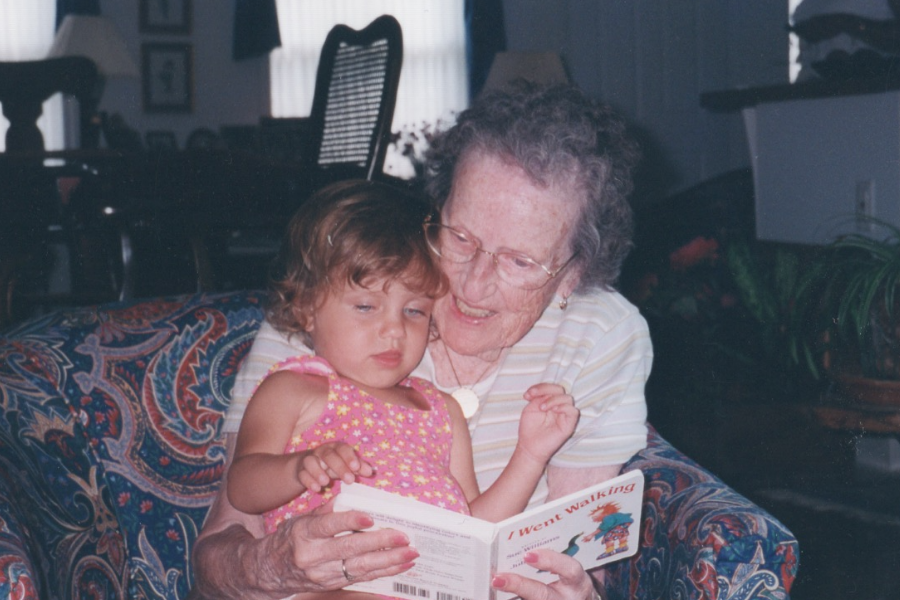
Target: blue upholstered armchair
<point x="110" y="455"/>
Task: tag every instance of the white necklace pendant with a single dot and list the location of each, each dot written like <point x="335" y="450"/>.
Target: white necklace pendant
<point x="467" y="400"/>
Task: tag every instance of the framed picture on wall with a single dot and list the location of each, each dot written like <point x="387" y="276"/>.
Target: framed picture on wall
<point x="165" y="16"/>
<point x="167" y="77"/>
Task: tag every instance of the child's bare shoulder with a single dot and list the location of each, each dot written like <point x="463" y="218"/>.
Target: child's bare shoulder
<point x="291" y="386"/>
<point x="287" y="377"/>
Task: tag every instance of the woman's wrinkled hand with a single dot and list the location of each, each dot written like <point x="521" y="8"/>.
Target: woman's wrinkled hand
<point x="314" y="557"/>
<point x="574" y="583"/>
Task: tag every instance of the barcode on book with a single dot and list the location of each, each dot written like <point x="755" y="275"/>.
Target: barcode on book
<point x="446" y="596"/>
<point x="412" y="590"/>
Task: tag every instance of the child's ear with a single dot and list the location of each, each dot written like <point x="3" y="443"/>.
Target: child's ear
<point x="302" y="319"/>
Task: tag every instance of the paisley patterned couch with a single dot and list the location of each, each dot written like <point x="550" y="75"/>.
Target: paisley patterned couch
<point x="110" y="455"/>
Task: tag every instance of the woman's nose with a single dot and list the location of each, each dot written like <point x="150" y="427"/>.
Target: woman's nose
<point x="478" y="276"/>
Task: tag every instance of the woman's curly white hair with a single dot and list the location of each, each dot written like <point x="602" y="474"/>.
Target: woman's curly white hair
<point x="559" y="137"/>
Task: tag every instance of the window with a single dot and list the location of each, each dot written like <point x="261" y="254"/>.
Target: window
<point x="433" y="81"/>
<point x="793" y="44"/>
<point x="26" y="33"/>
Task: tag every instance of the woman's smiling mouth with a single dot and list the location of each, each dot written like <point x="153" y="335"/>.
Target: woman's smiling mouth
<point x="470" y="311"/>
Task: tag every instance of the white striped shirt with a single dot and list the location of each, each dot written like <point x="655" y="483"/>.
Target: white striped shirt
<point x="598" y="349"/>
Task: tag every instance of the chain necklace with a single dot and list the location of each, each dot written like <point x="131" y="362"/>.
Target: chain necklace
<point x="465" y="395"/>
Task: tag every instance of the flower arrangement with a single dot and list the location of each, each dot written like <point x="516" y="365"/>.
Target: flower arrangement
<point x="719" y="314"/>
<point x="691" y="287"/>
<point x="409" y="145"/>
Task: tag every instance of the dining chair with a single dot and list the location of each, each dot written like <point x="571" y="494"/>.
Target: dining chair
<point x="346" y="136"/>
<point x="353" y="103"/>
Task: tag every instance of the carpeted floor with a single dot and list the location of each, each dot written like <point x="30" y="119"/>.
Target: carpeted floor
<point x="806" y="475"/>
<point x="849" y="537"/>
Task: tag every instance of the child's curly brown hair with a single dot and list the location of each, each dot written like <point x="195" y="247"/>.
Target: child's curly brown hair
<point x="351" y="232"/>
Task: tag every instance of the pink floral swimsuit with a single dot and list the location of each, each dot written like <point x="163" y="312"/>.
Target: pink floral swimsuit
<point x="409" y="448"/>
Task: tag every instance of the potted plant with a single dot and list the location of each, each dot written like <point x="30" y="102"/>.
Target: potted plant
<point x="845" y="321"/>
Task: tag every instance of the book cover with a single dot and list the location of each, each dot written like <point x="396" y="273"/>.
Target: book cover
<point x="459" y="553"/>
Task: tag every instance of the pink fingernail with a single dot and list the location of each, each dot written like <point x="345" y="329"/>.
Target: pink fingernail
<point x="530" y="557"/>
<point x="365" y="522"/>
<point x="498" y="582"/>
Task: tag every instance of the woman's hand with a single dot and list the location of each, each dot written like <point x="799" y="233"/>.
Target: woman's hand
<point x="313" y="552"/>
<point x="302" y="556"/>
<point x="548" y="420"/>
<point x="574" y="583"/>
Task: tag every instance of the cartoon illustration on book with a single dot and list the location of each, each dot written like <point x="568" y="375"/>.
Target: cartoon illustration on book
<point x="572" y="549"/>
<point x="612" y="529"/>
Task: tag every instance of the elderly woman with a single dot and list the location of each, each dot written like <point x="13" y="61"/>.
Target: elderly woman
<point x="535" y="224"/>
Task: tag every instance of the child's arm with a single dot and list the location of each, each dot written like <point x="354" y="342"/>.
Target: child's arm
<point x="262" y="477"/>
<point x="547" y="422"/>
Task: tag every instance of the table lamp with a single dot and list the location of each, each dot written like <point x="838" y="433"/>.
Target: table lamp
<point x="539" y="67"/>
<point x="98" y="39"/>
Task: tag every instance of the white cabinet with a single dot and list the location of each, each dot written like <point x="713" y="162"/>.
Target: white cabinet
<point x="817" y="163"/>
<point x="820" y="157"/>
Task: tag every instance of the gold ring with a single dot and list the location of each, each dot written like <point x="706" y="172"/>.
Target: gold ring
<point x="347" y="575"/>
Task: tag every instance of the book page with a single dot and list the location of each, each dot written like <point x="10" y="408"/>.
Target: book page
<point x="595" y="526"/>
<point x="454" y="561"/>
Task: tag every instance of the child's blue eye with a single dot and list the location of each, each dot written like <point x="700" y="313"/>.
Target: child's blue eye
<point x="415" y="312"/>
<point x="364" y="307"/>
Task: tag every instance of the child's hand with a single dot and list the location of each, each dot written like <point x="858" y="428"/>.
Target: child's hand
<point x="336" y="460"/>
<point x="548" y="420"/>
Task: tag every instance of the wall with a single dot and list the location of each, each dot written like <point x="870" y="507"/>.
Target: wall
<point x="225" y="92"/>
<point x="821" y="164"/>
<point x="653" y="58"/>
<point x="649" y="58"/>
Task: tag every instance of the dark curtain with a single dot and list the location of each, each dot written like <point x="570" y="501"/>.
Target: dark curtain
<point x="485" y="36"/>
<point x="255" y="28"/>
<point x="75" y="7"/>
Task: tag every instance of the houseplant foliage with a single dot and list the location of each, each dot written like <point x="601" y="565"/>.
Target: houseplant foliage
<point x="846" y="314"/>
<point x="719" y="313"/>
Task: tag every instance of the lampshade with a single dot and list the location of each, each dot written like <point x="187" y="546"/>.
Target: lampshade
<point x="539" y="67"/>
<point x="98" y="39"/>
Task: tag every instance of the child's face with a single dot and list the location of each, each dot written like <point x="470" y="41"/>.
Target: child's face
<point x="374" y="335"/>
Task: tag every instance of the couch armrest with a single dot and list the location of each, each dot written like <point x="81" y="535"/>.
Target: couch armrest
<point x="18" y="575"/>
<point x="699" y="538"/>
<point x="50" y="486"/>
<point x="109" y="434"/>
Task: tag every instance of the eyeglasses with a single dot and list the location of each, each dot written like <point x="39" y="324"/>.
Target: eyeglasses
<point x="516" y="269"/>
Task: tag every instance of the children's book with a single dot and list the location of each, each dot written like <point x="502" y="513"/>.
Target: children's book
<point x="459" y="554"/>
